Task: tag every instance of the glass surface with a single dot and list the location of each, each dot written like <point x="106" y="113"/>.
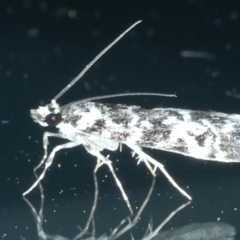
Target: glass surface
<point x="189" y="47"/>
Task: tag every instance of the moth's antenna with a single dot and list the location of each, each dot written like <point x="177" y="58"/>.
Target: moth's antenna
<point x="126" y="94"/>
<point x="93" y="61"/>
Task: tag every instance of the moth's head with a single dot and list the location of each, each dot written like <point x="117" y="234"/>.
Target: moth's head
<point x="48" y="115"/>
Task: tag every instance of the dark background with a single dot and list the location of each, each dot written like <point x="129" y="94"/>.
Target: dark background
<point x="44" y="44"/>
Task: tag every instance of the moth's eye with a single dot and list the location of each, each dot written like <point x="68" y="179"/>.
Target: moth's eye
<point x="53" y="119"/>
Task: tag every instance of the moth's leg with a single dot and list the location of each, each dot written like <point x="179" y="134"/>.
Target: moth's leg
<point x="38" y="216"/>
<point x="91" y="215"/>
<point x="148" y="160"/>
<point x="38" y="219"/>
<point x="120" y="147"/>
<point x="49" y="161"/>
<point x="105" y="160"/>
<point x="116" y="233"/>
<point x="152" y="234"/>
<point x="46" y="135"/>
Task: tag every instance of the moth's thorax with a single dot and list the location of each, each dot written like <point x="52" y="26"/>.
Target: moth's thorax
<point x="82" y="114"/>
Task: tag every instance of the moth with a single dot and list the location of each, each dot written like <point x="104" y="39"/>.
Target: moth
<point x="97" y="126"/>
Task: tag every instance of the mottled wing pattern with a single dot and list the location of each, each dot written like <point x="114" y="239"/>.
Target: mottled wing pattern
<point x="199" y="134"/>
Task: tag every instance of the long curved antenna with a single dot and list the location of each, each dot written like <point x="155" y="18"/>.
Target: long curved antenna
<point x="127" y="94"/>
<point x="93" y="61"/>
<point x="122" y="95"/>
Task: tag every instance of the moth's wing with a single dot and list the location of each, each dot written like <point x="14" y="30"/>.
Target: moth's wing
<point x="202" y="135"/>
<point x="98" y="143"/>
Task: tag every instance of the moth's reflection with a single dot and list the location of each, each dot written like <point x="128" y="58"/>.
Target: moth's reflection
<point x="197" y="231"/>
